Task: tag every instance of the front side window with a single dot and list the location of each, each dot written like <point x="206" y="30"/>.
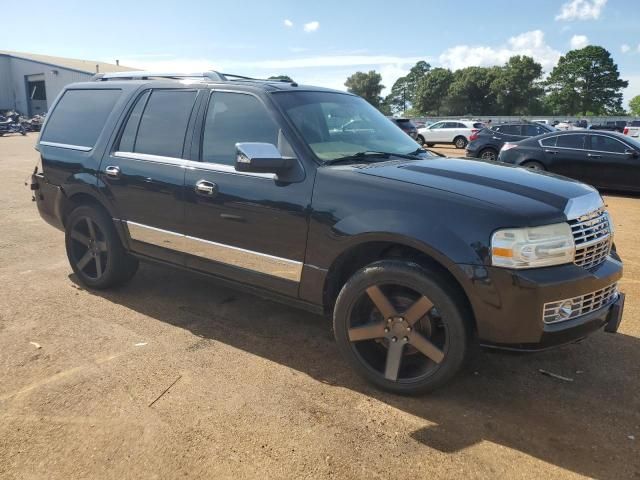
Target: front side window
<point x="79" y="117"/>
<point x="234" y="118"/>
<point x="326" y="120"/>
<point x="571" y="141"/>
<point x="164" y="123"/>
<point x="436" y="126"/>
<point x="607" y="144"/>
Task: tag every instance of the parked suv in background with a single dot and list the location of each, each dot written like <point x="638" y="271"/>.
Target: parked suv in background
<point x="416" y="258"/>
<point x="632" y="129"/>
<point x="486" y="143"/>
<point x="406" y="125"/>
<point x="612" y="126"/>
<point x="456" y="132"/>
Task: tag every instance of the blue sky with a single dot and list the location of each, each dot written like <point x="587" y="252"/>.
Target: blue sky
<point x="324" y="42"/>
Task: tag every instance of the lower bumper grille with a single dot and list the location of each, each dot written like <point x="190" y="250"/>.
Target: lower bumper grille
<point x="570" y="308"/>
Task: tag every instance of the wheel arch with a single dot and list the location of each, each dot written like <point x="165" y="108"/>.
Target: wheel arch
<point x="370" y="250"/>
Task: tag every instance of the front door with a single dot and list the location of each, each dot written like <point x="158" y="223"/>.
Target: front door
<point x="245" y="226"/>
<point x="143" y="175"/>
<point x="613" y="165"/>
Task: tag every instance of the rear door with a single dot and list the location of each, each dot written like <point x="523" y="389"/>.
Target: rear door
<point x="143" y="175"/>
<point x="613" y="167"/>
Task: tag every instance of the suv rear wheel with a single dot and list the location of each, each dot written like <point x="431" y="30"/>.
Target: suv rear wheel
<point x="400" y="326"/>
<point x="94" y="249"/>
<point x="488" y="154"/>
<point x="460" y="142"/>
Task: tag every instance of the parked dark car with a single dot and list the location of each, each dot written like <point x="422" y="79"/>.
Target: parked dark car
<point x="406" y="125"/>
<point x="606" y="160"/>
<point x="486" y="143"/>
<point x="416" y="258"/>
<point x="612" y="126"/>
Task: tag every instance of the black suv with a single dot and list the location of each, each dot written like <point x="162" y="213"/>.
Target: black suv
<point x="416" y="258"/>
<point x="406" y="125"/>
<point x="486" y="143"/>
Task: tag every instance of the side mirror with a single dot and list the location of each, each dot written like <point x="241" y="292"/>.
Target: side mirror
<point x="258" y="157"/>
<point x="631" y="153"/>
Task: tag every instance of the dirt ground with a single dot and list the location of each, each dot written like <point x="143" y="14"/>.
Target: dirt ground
<point x="258" y="390"/>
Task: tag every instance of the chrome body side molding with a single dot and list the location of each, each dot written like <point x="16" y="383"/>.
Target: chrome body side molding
<point x="218" y="252"/>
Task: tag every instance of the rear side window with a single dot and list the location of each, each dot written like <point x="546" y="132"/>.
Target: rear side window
<point x="79" y="117"/>
<point x="571" y="141"/>
<point x="533" y="130"/>
<point x="549" y="141"/>
<point x="508" y="129"/>
<point x="233" y="118"/>
<point x="478" y="125"/>
<point x="163" y="124"/>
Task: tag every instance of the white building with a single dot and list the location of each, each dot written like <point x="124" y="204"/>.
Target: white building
<point x="29" y="83"/>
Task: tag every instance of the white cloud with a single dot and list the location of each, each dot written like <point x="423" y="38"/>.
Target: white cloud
<point x="581" y="10"/>
<point x="311" y="26"/>
<point x="579" y="41"/>
<point x="624" y="48"/>
<point x="288" y="23"/>
<point x="528" y="43"/>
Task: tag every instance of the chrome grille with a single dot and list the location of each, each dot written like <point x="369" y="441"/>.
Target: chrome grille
<point x="592" y="236"/>
<point x="574" y="307"/>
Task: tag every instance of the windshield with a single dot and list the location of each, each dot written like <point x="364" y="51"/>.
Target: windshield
<point x="336" y="125"/>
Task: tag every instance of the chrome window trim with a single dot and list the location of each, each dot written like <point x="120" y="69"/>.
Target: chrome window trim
<point x="191" y="164"/>
<point x="219" y="252"/>
<point x="80" y="148"/>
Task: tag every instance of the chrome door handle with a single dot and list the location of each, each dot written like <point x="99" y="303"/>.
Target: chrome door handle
<point x="206" y="188"/>
<point x="113" y="172"/>
<point x="591" y="155"/>
<point x="550" y="151"/>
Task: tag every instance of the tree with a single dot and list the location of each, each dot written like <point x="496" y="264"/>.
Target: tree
<point x="367" y="85"/>
<point x="516" y="88"/>
<point x="586" y="81"/>
<point x="634" y="105"/>
<point x="432" y="91"/>
<point x="403" y="92"/>
<point x="471" y="92"/>
<point x="282" y="78"/>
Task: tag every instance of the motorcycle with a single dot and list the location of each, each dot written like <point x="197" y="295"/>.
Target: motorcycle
<point x="11" y="124"/>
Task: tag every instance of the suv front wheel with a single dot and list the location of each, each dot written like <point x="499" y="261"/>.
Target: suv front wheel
<point x="401" y="326"/>
<point x="95" y="252"/>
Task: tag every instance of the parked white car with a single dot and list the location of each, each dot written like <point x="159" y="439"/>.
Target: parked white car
<point x="456" y="132"/>
<point x="632" y="129"/>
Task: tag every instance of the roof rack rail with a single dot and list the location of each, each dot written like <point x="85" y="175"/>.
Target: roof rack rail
<point x="144" y="75"/>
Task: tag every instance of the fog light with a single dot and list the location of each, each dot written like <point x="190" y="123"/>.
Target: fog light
<point x="565" y="310"/>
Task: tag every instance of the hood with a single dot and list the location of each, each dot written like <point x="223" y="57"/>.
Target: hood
<point x="516" y="189"/>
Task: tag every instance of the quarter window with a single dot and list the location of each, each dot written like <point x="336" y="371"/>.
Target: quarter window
<point x="233" y="118"/>
<point x="571" y="141"/>
<point x="549" y="142"/>
<point x="164" y="123"/>
<point x="607" y="144"/>
<point x="79" y="116"/>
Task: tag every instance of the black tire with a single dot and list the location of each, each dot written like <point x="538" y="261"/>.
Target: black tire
<point x="460" y="142"/>
<point x="533" y="165"/>
<point x="430" y="145"/>
<point x="438" y="320"/>
<point x="488" y="154"/>
<point x="420" y="139"/>
<point x="94" y="250"/>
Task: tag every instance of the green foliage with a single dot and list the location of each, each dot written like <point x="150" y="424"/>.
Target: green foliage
<point x="471" y="92"/>
<point x="367" y="85"/>
<point x="403" y="92"/>
<point x="284" y="78"/>
<point x="517" y="88"/>
<point x="634" y="106"/>
<point x="585" y="80"/>
<point x="432" y="91"/>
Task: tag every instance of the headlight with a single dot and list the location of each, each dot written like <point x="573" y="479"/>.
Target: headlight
<point x="533" y="247"/>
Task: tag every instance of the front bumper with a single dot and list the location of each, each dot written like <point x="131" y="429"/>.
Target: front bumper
<point x="508" y="304"/>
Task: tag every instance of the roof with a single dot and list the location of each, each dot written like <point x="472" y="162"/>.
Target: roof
<point x="86" y="66"/>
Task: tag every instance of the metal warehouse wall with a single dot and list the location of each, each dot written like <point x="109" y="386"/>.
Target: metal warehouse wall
<point x="6" y="93"/>
<point x="54" y="83"/>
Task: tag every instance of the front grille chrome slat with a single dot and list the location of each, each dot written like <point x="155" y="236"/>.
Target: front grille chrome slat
<point x="592" y="237"/>
<point x="569" y="308"/>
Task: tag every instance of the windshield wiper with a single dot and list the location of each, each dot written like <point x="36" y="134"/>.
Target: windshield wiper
<point x="368" y="155"/>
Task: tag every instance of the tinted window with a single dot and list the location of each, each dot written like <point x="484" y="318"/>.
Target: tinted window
<point x="549" y="141"/>
<point x="450" y="125"/>
<point x="607" y="144"/>
<point x="233" y="118"/>
<point x="435" y="126"/>
<point x="164" y="123"/>
<point x="533" y="130"/>
<point x="634" y="123"/>
<point x="508" y="129"/>
<point x="80" y="116"/>
<point x="478" y="125"/>
<point x="127" y="140"/>
<point x="571" y="141"/>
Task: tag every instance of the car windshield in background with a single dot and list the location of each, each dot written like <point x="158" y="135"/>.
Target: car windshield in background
<point x="337" y="125"/>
